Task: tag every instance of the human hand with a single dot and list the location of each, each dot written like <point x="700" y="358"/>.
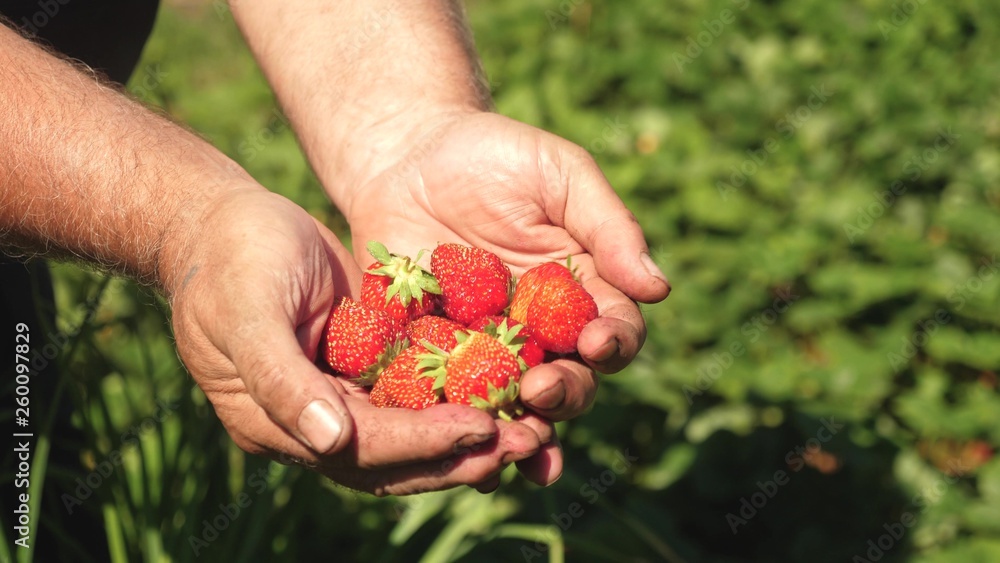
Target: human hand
<point x="251" y="289"/>
<point x="530" y="197"/>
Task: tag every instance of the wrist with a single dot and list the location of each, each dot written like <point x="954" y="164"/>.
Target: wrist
<point x="398" y="140"/>
<point x="178" y="245"/>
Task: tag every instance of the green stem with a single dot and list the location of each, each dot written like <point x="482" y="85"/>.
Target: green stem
<point x="550" y="535"/>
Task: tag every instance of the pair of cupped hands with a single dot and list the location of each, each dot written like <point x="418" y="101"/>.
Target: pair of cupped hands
<point x="255" y="281"/>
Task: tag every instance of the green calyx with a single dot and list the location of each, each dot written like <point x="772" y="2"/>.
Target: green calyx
<point x="503" y="403"/>
<point x="572" y="269"/>
<point x="434" y="364"/>
<point x="372" y="372"/>
<point x="409" y="279"/>
<point x="509" y="337"/>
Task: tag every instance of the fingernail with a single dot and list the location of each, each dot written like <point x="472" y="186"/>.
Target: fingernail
<point x="487" y="488"/>
<point x="472" y="440"/>
<point x="551" y="398"/>
<point x="651" y="266"/>
<point x="320" y="426"/>
<point x="605" y="352"/>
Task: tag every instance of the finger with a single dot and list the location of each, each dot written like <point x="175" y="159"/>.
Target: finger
<point x="289" y="387"/>
<point x="545" y="467"/>
<point x="473" y="465"/>
<point x="489" y="485"/>
<point x="597" y="218"/>
<point x="543" y="427"/>
<point x="389" y="437"/>
<point x="611" y="341"/>
<point x="384" y="438"/>
<point x="559" y="390"/>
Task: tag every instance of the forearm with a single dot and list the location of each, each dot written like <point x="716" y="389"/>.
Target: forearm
<point x="358" y="79"/>
<point x="88" y="173"/>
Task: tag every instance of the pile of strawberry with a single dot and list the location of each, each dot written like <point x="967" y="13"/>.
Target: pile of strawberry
<point x="462" y="333"/>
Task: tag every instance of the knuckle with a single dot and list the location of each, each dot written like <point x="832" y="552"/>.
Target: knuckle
<point x="264" y="379"/>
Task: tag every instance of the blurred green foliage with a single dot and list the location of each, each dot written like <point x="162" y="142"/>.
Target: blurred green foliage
<point x="820" y="182"/>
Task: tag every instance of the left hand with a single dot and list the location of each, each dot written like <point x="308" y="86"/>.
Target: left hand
<point x="485" y="180"/>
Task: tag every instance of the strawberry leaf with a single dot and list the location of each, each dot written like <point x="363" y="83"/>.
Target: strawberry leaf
<point x="379" y="252"/>
<point x="371" y="374"/>
<point x="413" y="287"/>
<point x="428" y="283"/>
<point x="480" y="403"/>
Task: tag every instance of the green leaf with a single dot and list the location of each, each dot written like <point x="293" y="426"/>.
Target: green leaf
<point x="379" y="252"/>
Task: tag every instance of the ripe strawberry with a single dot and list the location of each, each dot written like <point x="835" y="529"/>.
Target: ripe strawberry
<point x="557" y="313"/>
<point x="481" y="372"/>
<point x="439" y="331"/>
<point x="523" y="342"/>
<point x="531" y="352"/>
<point x="474" y="282"/>
<point x="360" y="341"/>
<point x="403" y="383"/>
<point x="397" y="285"/>
<point x="529" y="283"/>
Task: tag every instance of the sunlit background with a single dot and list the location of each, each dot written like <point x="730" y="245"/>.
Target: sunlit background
<point x="818" y="179"/>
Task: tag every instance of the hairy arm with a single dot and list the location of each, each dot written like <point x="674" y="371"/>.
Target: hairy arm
<point x="388" y="102"/>
<point x="361" y="80"/>
<point x="87" y="172"/>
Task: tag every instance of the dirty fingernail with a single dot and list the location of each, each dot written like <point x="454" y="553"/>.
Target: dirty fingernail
<point x="651" y="266"/>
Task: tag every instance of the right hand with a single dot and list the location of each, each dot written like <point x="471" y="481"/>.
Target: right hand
<point x="251" y="287"/>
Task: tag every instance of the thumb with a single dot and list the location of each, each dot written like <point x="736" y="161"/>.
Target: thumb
<point x="293" y="392"/>
<point x="597" y="218"/>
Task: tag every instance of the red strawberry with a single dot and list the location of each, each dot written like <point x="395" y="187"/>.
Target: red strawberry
<point x="474" y="282"/>
<point x="439" y="331"/>
<point x="397" y="285"/>
<point x="526" y="345"/>
<point x="557" y="313"/>
<point x="531" y="352"/>
<point x="529" y="283"/>
<point x="403" y="385"/>
<point x="360" y="341"/>
<point x="481" y="372"/>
